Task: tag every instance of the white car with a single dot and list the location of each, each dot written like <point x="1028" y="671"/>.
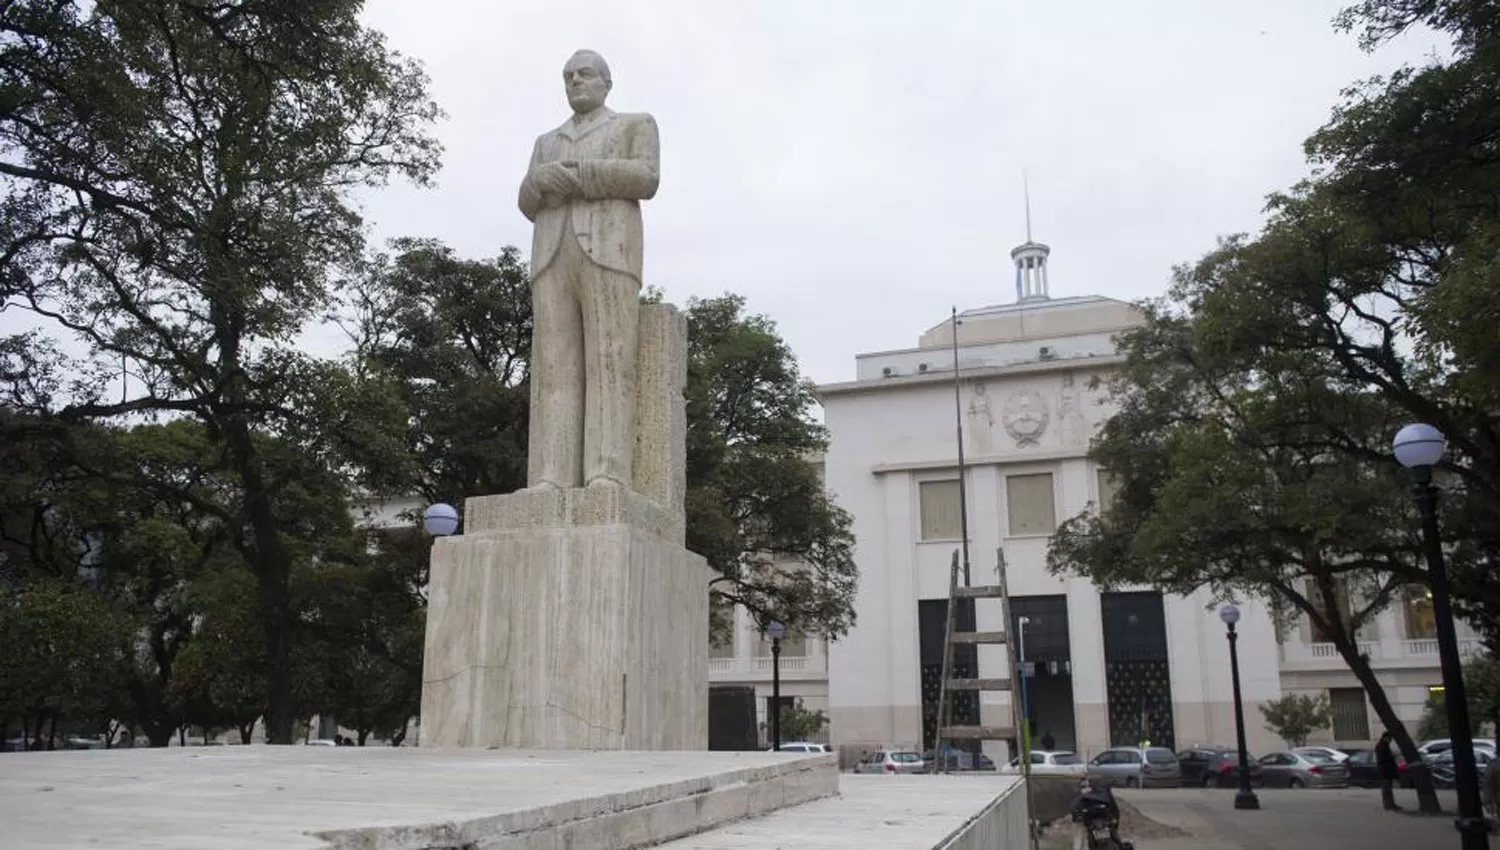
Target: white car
<point x="1314" y="750"/>
<point x="1051" y="763"/>
<point x="802" y="747"/>
<point x="1431" y="748"/>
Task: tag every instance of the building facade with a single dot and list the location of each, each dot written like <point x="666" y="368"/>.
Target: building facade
<point x="1101" y="668"/>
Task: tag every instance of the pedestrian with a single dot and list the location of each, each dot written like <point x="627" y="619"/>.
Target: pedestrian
<point x="1385" y="760"/>
<point x="1492" y="788"/>
<point x="1049" y="743"/>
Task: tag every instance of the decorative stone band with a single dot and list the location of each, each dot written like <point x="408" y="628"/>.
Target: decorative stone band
<point x="602" y="504"/>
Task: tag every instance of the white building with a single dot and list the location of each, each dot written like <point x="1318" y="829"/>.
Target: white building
<point x="1106" y="668"/>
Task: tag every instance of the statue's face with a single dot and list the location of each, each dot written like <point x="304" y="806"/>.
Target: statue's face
<point x="586" y="83"/>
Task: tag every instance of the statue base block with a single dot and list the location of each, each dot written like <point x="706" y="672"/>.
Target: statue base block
<point x="550" y="627"/>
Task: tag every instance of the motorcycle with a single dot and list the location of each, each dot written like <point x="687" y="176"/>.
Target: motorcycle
<point x="1098" y="814"/>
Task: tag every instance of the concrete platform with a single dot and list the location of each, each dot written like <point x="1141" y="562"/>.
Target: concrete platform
<point x="287" y="798"/>
<point x="890" y="812"/>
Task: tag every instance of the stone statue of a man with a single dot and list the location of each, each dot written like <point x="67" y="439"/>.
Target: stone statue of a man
<point x="583" y="192"/>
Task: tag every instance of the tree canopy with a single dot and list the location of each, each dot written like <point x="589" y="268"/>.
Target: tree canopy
<point x="178" y="181"/>
<point x="1252" y="446"/>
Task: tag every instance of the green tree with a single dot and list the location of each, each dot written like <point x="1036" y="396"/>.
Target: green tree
<point x="64" y="649"/>
<point x="1225" y="482"/>
<point x="178" y="199"/>
<point x="1293" y="717"/>
<point x="1385" y="264"/>
<point x="371" y="621"/>
<point x="799" y="723"/>
<point x="454" y="335"/>
<point x="1482" y="683"/>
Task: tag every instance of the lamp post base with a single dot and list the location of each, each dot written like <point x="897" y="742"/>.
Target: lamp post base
<point x="1246" y="800"/>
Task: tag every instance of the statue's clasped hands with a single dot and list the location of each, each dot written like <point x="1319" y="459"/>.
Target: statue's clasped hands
<point x="559" y="178"/>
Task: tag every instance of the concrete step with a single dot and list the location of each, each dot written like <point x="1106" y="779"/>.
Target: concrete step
<point x="893" y="812"/>
<point x="393" y="798"/>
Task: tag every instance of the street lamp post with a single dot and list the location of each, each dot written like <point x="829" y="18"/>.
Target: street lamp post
<point x="776" y="631"/>
<point x="1419" y="447"/>
<point x="1244" y="798"/>
<point x="1021" y="623"/>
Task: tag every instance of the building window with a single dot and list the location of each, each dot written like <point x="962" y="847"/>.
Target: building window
<point x="1109" y="489"/>
<point x="1420" y="622"/>
<point x="794" y="645"/>
<point x="1030" y="503"/>
<point x="939" y="506"/>
<point x="1351" y="721"/>
<point x="721" y="645"/>
<point x="1341" y="598"/>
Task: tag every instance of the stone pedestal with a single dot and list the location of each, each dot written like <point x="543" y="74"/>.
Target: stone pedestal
<point x="567" y="619"/>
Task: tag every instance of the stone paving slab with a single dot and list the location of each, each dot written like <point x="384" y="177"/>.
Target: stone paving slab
<point x="890" y="812"/>
<point x="384" y="798"/>
<point x="1333" y="819"/>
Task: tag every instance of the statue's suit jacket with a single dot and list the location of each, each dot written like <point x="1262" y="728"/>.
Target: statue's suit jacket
<point x="619" y="165"/>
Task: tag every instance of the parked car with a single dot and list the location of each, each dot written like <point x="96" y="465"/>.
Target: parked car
<point x="1427" y="749"/>
<point x="801" y="747"/>
<point x="1136" y="767"/>
<point x="1051" y="763"/>
<point x="1443" y="768"/>
<point x="891" y="761"/>
<point x="1364" y="772"/>
<point x="1334" y="753"/>
<point x="959" y="760"/>
<point x="1302" y="770"/>
<point x="1211" y="766"/>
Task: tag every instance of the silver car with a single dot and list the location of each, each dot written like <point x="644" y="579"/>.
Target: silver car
<point x="1302" y="770"/>
<point x="891" y="761"/>
<point x="1137" y="767"/>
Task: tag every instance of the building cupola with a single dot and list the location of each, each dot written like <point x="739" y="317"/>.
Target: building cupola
<point x="1030" y="258"/>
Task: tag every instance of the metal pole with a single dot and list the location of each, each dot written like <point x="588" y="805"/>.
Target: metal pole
<point x="1025" y="708"/>
<point x="1472" y="829"/>
<point x="1245" y="798"/>
<point x="776" y="694"/>
<point x="968" y="619"/>
<point x="963" y="488"/>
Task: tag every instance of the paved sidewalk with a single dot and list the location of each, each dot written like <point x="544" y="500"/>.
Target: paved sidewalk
<point x="1342" y="819"/>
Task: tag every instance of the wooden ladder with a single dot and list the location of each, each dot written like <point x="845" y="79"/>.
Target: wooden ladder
<point x="947" y="732"/>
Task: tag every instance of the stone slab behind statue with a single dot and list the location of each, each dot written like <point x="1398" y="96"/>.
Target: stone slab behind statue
<point x="576" y="619"/>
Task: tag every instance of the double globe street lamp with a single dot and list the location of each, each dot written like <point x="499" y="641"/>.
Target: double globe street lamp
<point x="1419" y="448"/>
<point x="1244" y="798"/>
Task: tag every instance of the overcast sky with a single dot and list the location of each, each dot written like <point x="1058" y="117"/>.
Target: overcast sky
<point x="855" y="168"/>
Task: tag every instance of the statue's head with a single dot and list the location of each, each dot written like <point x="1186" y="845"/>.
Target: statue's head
<point x="586" y="80"/>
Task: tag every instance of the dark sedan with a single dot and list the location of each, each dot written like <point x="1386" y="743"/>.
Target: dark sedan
<point x="1215" y="766"/>
<point x="1363" y="771"/>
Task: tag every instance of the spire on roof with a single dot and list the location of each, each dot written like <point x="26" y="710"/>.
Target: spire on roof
<point x="1030" y="258"/>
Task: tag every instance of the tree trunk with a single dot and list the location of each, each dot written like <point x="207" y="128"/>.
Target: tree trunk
<point x="272" y="564"/>
<point x="52" y="733"/>
<point x="361" y="735"/>
<point x="1427" y="799"/>
<point x="246" y="731"/>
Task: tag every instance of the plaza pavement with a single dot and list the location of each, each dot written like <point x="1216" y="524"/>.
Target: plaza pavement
<point x="1339" y="819"/>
